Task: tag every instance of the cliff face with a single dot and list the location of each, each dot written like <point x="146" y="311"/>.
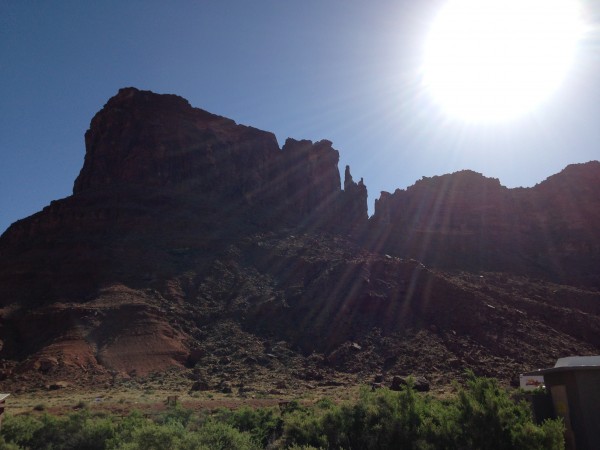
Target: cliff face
<point x="147" y="154"/>
<point x="184" y="226"/>
<point x="466" y="221"/>
<point x="164" y="188"/>
<point x="159" y="174"/>
<point x="143" y="139"/>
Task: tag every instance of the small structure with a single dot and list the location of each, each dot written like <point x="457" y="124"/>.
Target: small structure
<point x="531" y="382"/>
<point x="574" y="383"/>
<point x="2" y="405"/>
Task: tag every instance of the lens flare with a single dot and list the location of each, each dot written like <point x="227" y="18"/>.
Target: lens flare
<point x="490" y="60"/>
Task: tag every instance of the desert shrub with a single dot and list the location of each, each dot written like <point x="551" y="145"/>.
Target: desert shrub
<point x="552" y="434"/>
<point x="77" y="431"/>
<point x="377" y="420"/>
<point x="489" y="419"/>
<point x="176" y="414"/>
<point x="381" y="419"/>
<point x="8" y="446"/>
<point x="19" y="430"/>
<point x="439" y="425"/>
<point x="262" y="424"/>
<point x="292" y="406"/>
<point x="172" y="430"/>
<point x="125" y="429"/>
<point x="481" y="416"/>
<point x="92" y="434"/>
<point x="303" y="427"/>
<point x="151" y="436"/>
<point x="324" y="403"/>
<point x="221" y="436"/>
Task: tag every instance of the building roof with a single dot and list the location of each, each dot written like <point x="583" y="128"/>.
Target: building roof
<point x="578" y="361"/>
<point x="569" y="364"/>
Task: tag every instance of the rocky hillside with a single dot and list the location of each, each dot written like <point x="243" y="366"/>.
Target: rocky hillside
<point x="464" y="220"/>
<point x="195" y="243"/>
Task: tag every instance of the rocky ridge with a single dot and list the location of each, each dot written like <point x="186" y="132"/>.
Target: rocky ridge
<point x="193" y="242"/>
<point x="465" y="220"/>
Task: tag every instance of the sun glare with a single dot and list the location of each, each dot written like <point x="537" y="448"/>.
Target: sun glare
<point x="494" y="60"/>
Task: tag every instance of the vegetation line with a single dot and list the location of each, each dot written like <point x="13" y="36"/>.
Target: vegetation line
<point x="481" y="415"/>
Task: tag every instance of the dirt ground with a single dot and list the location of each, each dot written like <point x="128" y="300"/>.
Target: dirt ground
<point x="122" y="401"/>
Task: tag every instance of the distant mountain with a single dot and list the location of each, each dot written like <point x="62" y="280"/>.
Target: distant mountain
<point x="466" y="221"/>
<point x="193" y="242"/>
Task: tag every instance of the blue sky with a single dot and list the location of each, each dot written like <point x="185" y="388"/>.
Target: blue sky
<point x="347" y="71"/>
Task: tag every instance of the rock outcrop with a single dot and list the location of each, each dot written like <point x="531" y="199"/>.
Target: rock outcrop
<point x="192" y="240"/>
<point x="467" y="221"/>
<point x="157" y="170"/>
<point x="141" y="140"/>
<point x="164" y="188"/>
<point x="354" y="202"/>
<point x="148" y="140"/>
<point x="308" y="181"/>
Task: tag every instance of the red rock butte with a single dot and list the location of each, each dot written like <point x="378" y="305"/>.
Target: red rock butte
<point x="193" y="242"/>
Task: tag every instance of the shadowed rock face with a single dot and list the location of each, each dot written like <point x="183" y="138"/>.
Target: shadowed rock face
<point x="165" y="188"/>
<point x="144" y="140"/>
<point x="184" y="225"/>
<point x="159" y="174"/>
<point x="466" y="221"/>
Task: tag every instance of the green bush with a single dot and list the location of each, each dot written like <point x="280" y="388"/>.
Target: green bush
<point x="221" y="436"/>
<point x="481" y="416"/>
<point x="6" y="446"/>
<point x="489" y="419"/>
<point x="378" y="420"/>
<point x="19" y="429"/>
<point x="77" y="431"/>
<point x="304" y="428"/>
<point x="262" y="424"/>
<point x="151" y="436"/>
<point x="176" y="414"/>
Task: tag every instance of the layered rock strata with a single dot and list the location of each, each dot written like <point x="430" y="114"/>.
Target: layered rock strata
<point x="184" y="225"/>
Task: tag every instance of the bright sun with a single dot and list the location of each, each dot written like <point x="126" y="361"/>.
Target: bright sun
<point x="494" y="60"/>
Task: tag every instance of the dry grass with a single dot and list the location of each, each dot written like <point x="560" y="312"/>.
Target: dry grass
<point x="123" y="400"/>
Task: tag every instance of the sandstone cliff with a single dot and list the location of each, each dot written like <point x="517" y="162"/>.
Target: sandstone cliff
<point x="467" y="221"/>
<point x="144" y="140"/>
<point x="192" y="241"/>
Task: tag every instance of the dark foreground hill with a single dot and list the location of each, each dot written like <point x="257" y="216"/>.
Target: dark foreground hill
<point x="196" y="243"/>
